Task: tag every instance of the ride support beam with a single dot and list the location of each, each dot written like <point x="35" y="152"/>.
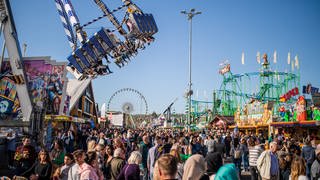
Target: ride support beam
<point x="15" y="58"/>
<point x="110" y="16"/>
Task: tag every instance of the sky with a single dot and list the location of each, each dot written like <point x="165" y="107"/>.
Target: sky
<point x="223" y="31"/>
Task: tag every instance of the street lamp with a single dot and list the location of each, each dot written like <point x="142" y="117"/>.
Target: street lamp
<point x="190" y="15"/>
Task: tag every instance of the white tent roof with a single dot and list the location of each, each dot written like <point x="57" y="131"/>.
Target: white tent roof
<point x="75" y="89"/>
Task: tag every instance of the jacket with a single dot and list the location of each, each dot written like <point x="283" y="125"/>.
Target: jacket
<point x="73" y="173"/>
<point x="315" y="170"/>
<point x="87" y="172"/>
<point x="264" y="165"/>
<point x="308" y="154"/>
<point x="129" y="172"/>
<point x="116" y="166"/>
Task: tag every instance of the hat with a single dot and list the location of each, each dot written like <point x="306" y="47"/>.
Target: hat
<point x="317" y="151"/>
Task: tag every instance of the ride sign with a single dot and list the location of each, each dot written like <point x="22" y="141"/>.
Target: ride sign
<point x="289" y="94"/>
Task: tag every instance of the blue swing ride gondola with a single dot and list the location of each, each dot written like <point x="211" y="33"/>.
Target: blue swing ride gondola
<point x="86" y="59"/>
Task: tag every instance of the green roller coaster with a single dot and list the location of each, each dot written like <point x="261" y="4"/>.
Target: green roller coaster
<point x="236" y="90"/>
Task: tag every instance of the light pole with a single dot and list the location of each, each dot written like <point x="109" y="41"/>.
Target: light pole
<point x="190" y="15"/>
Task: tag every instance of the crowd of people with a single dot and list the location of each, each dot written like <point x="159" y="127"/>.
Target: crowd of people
<point x="158" y="154"/>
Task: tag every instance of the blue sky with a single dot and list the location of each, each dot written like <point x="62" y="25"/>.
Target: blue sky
<point x="224" y="30"/>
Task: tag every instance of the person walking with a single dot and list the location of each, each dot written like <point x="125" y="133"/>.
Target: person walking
<point x="315" y="168"/>
<point x="220" y="147"/>
<point x="267" y="163"/>
<point x="308" y="155"/>
<point x="131" y="171"/>
<point x="117" y="163"/>
<point x="244" y="154"/>
<point x="79" y="157"/>
<point x="68" y="163"/>
<point x="144" y="149"/>
<point x="298" y="169"/>
<point x="195" y="168"/>
<point x="167" y="167"/>
<point x="108" y="159"/>
<point x="255" y="149"/>
<point x="227" y="172"/>
<point x="214" y="162"/>
<point x="153" y="154"/>
<point x="227" y="142"/>
<point x="89" y="169"/>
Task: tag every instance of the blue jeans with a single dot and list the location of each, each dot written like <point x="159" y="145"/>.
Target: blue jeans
<point x="237" y="163"/>
<point x="308" y="170"/>
<point x="245" y="160"/>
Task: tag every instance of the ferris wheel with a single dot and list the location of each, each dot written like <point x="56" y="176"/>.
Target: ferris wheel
<point x="129" y="101"/>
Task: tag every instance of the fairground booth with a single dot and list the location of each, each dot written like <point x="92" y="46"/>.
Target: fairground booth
<point x="301" y="119"/>
<point x="255" y="118"/>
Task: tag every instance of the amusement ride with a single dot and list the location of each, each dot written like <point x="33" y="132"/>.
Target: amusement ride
<point x="237" y="90"/>
<point x="118" y="41"/>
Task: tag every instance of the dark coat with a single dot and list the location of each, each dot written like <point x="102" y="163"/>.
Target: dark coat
<point x="130" y="172"/>
<point x="116" y="166"/>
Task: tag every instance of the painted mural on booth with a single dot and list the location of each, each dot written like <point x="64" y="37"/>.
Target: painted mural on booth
<point x="9" y="101"/>
<point x="45" y="81"/>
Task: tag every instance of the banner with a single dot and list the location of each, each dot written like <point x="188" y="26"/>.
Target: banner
<point x="308" y="89"/>
<point x="117" y="120"/>
<point x="289" y="94"/>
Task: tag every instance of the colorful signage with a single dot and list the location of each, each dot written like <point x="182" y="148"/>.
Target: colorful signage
<point x="9" y="102"/>
<point x="308" y="89"/>
<point x="46" y="80"/>
<point x="289" y="94"/>
<point x="255" y="113"/>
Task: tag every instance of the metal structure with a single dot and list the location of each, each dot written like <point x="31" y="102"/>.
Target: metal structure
<point x="167" y="111"/>
<point x="190" y="15"/>
<point x="129" y="101"/>
<point x="265" y="86"/>
<point x="127" y="108"/>
<point x="86" y="60"/>
<point x="11" y="44"/>
<point x="236" y="90"/>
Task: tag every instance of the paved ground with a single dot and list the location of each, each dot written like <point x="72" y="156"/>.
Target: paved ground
<point x="245" y="176"/>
